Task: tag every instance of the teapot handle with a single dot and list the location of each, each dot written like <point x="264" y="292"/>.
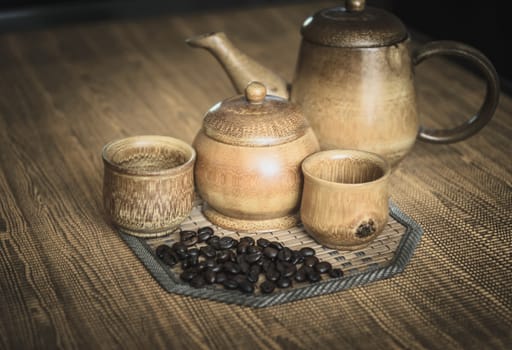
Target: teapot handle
<point x="484" y="115"/>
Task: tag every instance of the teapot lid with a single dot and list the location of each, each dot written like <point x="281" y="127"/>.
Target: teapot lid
<point x="255" y="119"/>
<point x="353" y="25"/>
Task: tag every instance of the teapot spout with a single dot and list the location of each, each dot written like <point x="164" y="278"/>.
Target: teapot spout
<point x="240" y="68"/>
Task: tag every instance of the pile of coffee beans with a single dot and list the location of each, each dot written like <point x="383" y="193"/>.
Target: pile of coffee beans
<point x="206" y="258"/>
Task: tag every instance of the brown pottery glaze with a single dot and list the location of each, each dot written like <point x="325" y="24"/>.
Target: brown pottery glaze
<point x="148" y="186"/>
<point x="345" y="198"/>
<point x="249" y="152"/>
<point x="355" y="81"/>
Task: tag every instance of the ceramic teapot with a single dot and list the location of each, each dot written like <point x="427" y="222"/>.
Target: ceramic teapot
<point x="249" y="152"/>
<point x="354" y="80"/>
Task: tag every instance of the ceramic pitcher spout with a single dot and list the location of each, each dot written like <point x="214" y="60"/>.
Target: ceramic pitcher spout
<point x="240" y="68"/>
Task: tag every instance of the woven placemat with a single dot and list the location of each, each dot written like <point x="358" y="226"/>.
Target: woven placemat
<point x="386" y="256"/>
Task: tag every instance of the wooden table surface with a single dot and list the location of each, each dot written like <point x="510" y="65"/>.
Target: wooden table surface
<point x="67" y="280"/>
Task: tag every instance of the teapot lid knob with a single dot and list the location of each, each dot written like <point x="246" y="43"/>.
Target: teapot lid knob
<point x="255" y="92"/>
<point x="354" y="5"/>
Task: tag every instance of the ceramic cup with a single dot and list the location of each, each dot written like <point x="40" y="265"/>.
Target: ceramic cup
<point x="345" y="197"/>
<point x="148" y="186"/>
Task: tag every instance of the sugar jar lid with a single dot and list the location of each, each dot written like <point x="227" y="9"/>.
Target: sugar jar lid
<point x="255" y="119"/>
<point x="353" y="25"/>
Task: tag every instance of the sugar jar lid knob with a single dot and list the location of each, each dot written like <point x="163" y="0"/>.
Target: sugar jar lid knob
<point x="355" y="5"/>
<point x="255" y="92"/>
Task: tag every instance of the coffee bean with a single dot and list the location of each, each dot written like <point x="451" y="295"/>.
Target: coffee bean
<point x="272" y="275"/>
<point x="230" y="284"/>
<point x="284" y="282"/>
<point x="201" y="265"/>
<point x="193" y="252"/>
<point x="280" y="266"/>
<point x="188" y="274"/>
<point x="185" y="264"/>
<point x="193" y="260"/>
<point x="215" y="268"/>
<point x="226" y="242"/>
<point x="323" y="267"/>
<point x="180" y="249"/>
<point x="297" y="257"/>
<point x="242" y="247"/>
<point x="268" y="264"/>
<point x="220" y="277"/>
<point x="239" y="278"/>
<point x="198" y="281"/>
<point x="209" y="276"/>
<point x="285" y="254"/>
<point x="301" y="275"/>
<point x="253" y="275"/>
<point x="188" y="237"/>
<point x="240" y="258"/>
<point x="276" y="245"/>
<point x="313" y="276"/>
<point x="246" y="287"/>
<point x="208" y="251"/>
<point x="244" y="267"/>
<point x="253" y="249"/>
<point x="307" y="251"/>
<point x="334" y="273"/>
<point x="231" y="267"/>
<point x="310" y="261"/>
<point x="171" y="259"/>
<point x="185" y="234"/>
<point x="253" y="257"/>
<point x="204" y="233"/>
<point x="223" y="255"/>
<point x="270" y="252"/>
<point x="162" y="250"/>
<point x="252" y="278"/>
<point x="267" y="287"/>
<point x="307" y="268"/>
<point x="213" y="242"/>
<point x="255" y="269"/>
<point x="247" y="239"/>
<point x="210" y="262"/>
<point x="286" y="269"/>
<point x="167" y="255"/>
<point x="262" y="242"/>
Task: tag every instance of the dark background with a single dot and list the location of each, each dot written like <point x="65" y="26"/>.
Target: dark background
<point x="482" y="24"/>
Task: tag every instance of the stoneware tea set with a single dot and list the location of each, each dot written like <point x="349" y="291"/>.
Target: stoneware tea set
<point x="320" y="151"/>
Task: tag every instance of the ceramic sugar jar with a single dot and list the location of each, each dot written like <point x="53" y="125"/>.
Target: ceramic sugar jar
<point x="249" y="152"/>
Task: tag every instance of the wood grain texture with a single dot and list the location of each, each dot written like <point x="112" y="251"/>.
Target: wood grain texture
<point x="345" y="202"/>
<point x="240" y="68"/>
<point x="249" y="151"/>
<point x="252" y="183"/>
<point x="148" y="184"/>
<point x="68" y="281"/>
<point x="362" y="98"/>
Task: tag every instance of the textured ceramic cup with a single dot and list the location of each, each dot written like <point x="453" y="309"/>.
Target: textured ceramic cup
<point x="148" y="185"/>
<point x="345" y="197"/>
